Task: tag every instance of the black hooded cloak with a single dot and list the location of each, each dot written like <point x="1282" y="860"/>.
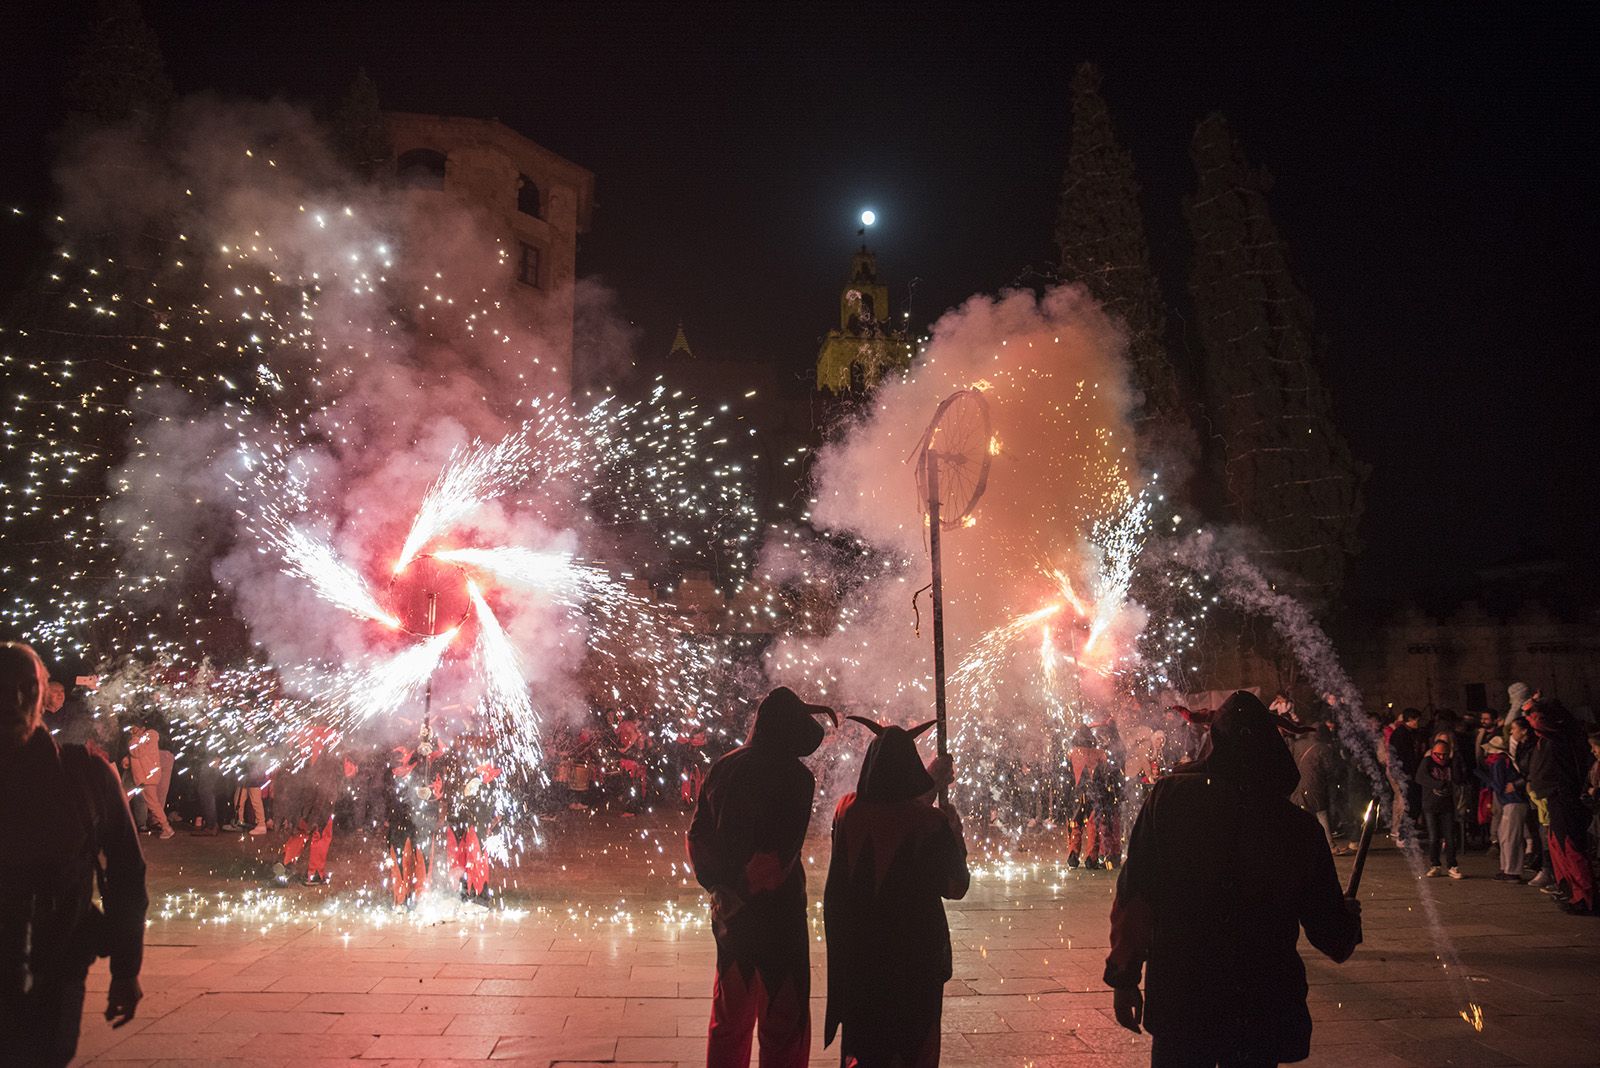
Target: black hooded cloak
<point x="894" y="857"/>
<point x="745" y="842"/>
<point x="1222" y="872"/>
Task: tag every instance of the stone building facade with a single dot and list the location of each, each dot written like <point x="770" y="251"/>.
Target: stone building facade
<point x="535" y="201"/>
<point x="1466" y="660"/>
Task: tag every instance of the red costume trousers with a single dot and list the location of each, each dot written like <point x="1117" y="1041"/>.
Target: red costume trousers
<point x="1086" y="838"/>
<point x="410" y="872"/>
<point x="468" y="861"/>
<point x="782" y="1020"/>
<point x="321" y="840"/>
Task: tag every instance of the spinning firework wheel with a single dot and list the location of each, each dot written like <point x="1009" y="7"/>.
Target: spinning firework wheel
<point x="429" y="596"/>
<point x="953" y="458"/>
<point x="952" y="473"/>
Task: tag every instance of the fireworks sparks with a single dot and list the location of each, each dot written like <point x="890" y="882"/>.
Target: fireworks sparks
<point x="474" y="476"/>
<point x="551" y="571"/>
<point x="334" y="580"/>
<point x="506" y="704"/>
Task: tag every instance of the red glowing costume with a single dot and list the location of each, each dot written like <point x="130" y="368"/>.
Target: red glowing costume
<point x="471" y="817"/>
<point x="308" y="807"/>
<point x="413" y="790"/>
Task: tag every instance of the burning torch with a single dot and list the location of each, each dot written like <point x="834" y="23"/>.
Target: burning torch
<point x="1368" y="822"/>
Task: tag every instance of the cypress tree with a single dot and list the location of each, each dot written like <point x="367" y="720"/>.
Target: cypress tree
<point x="1274" y="450"/>
<point x="1101" y="237"/>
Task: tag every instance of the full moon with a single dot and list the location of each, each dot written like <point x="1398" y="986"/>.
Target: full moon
<point x="869" y="217"/>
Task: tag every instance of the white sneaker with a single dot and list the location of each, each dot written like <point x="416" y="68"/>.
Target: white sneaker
<point x="1433" y="872"/>
<point x="1539" y="880"/>
<point x="168" y="833"/>
<point x="1455" y="873"/>
<point x="257" y="831"/>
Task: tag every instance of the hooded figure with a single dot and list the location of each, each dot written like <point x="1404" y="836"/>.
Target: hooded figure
<point x="744" y="845"/>
<point x="1555" y="778"/>
<point x="894" y="857"/>
<point x="1221" y="874"/>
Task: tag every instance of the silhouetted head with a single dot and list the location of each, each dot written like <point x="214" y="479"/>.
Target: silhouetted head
<point x="892" y="770"/>
<point x="788" y="725"/>
<point x="1247" y="747"/>
<point x="1551" y="719"/>
<point x="22" y="686"/>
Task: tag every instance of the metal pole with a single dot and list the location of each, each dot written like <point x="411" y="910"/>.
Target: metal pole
<point x="938" y="612"/>
<point x="433" y="629"/>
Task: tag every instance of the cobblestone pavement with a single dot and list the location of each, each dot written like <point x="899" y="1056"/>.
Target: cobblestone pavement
<point x="606" y="959"/>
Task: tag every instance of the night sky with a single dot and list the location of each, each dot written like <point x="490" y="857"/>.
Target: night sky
<point x="1433" y="168"/>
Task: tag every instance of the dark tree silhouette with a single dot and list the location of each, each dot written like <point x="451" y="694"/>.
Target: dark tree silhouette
<point x="120" y="76"/>
<point x="360" y="134"/>
<point x="1283" y="467"/>
<point x="1101" y="236"/>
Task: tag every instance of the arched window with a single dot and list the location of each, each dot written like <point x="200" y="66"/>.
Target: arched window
<point x="858" y="377"/>
<point x="528" y="197"/>
<point x="421" y="168"/>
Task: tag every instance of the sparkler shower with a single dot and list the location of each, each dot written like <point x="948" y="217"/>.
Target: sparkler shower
<point x="327" y="386"/>
<point x="1042" y="631"/>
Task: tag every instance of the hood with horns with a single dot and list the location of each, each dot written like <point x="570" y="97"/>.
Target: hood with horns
<point x="892" y="770"/>
<point x="1247" y="748"/>
<point x="788" y="725"/>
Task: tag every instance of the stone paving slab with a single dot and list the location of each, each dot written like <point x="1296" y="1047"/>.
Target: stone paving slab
<point x="608" y="961"/>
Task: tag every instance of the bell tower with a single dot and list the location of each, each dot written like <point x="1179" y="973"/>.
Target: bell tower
<point x="866" y="346"/>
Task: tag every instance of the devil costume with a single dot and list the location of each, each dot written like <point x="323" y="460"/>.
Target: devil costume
<point x="894" y="857"/>
<point x="411" y="792"/>
<point x="1221" y="874"/>
<point x="469" y="793"/>
<point x="744" y="845"/>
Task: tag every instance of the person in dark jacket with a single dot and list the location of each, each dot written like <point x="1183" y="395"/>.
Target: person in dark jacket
<point x="744" y="846"/>
<point x="895" y="856"/>
<point x="1405" y="757"/>
<point x="1438" y="777"/>
<point x="1555" y="777"/>
<point x="1222" y="873"/>
<point x="1318" y="765"/>
<point x="64" y="807"/>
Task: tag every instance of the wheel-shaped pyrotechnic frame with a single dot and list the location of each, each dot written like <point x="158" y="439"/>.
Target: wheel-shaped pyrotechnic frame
<point x="952" y="473"/>
<point x="957" y="441"/>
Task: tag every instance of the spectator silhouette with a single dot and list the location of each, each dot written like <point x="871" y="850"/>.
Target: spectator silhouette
<point x="64" y="808"/>
<point x="744" y="845"/>
<point x="1221" y="874"/>
<point x="895" y="856"/>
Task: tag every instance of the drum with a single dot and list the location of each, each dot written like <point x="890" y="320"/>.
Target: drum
<point x="564" y="771"/>
<point x="582" y="777"/>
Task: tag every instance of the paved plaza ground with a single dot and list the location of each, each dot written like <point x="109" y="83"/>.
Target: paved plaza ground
<point x="606" y="959"/>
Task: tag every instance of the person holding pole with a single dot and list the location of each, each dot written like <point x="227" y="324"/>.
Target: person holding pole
<point x="1222" y="873"/>
<point x="896" y="855"/>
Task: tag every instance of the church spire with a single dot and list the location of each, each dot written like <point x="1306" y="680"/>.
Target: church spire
<point x="680" y="344"/>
